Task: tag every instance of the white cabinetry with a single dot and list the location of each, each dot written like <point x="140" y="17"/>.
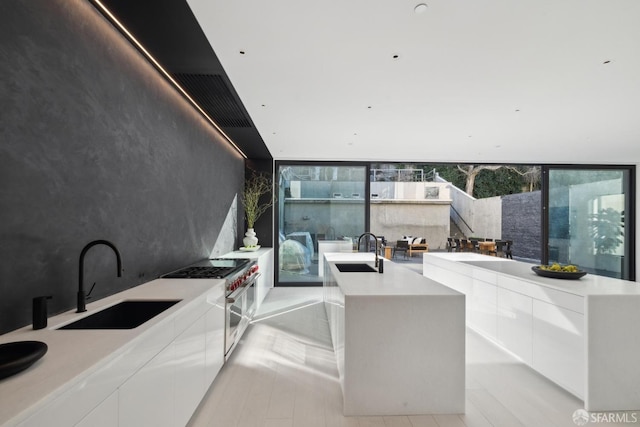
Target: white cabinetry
<point x="214" y="339"/>
<point x="167" y="390"/>
<point x="514" y="323"/>
<point x="158" y="379"/>
<point x="147" y="397"/>
<point x="558" y="345"/>
<point x="483" y="302"/>
<point x="540" y="326"/>
<point x="190" y="370"/>
<point x="104" y="415"/>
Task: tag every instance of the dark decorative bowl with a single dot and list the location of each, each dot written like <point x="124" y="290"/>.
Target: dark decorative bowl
<point x="18" y="356"/>
<point x="568" y="275"/>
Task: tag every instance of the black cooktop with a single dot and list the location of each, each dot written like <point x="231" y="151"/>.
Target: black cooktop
<point x="214" y="268"/>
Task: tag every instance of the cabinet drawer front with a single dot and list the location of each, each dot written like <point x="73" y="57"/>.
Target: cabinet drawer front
<point x="483" y="308"/>
<point x="515" y="323"/>
<point x="485" y="275"/>
<point x="559" y="346"/>
<point x="543" y="293"/>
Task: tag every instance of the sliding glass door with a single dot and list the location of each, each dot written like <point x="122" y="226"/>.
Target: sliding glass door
<point x="589" y="219"/>
<point x="322" y="207"/>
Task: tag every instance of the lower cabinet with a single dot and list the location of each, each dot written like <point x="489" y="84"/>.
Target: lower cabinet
<point x="515" y="324"/>
<point x="483" y="308"/>
<point x="147" y="397"/>
<point x="214" y="338"/>
<point x="104" y="415"/>
<point x="190" y="370"/>
<point x="559" y="346"/>
<point x="538" y="325"/>
<point x="168" y="389"/>
<point x="158" y="381"/>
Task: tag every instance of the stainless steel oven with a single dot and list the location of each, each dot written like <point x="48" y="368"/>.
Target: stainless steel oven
<point x="240" y="276"/>
<point x="240" y="308"/>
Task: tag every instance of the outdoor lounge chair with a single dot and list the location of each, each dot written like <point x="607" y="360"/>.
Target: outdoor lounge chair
<point x="419" y="245"/>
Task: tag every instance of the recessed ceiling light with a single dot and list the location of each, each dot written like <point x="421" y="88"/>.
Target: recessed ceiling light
<point x="606" y="62"/>
<point x="396" y="56"/>
<point x="420" y="8"/>
<point x="242" y="52"/>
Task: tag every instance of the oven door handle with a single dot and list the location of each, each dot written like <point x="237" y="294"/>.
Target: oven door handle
<point x="242" y="289"/>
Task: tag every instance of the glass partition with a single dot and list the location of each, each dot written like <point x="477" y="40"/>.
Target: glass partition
<point x="586" y="212"/>
<point x="321" y="208"/>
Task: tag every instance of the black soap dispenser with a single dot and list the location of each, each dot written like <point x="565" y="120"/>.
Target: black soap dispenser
<point x="381" y="265"/>
<point x="40" y="312"/>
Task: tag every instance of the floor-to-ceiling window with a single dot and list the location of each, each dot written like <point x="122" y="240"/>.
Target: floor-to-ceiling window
<point x="589" y="218"/>
<point x="321" y="207"/>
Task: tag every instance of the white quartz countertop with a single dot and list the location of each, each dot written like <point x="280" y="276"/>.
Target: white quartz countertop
<point x="590" y="284"/>
<point x="74" y="354"/>
<point x="395" y="281"/>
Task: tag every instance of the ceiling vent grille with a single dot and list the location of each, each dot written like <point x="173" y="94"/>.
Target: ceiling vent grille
<point x="215" y="98"/>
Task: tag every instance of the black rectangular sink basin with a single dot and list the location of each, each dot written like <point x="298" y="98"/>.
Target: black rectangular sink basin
<point x="355" y="268"/>
<point x="124" y="315"/>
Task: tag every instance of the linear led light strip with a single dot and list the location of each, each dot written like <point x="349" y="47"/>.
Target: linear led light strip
<point x="164" y="72"/>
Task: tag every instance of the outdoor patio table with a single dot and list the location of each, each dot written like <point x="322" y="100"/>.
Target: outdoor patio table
<point x="487" y="248"/>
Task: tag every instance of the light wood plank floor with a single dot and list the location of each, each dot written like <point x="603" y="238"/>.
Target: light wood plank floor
<point x="283" y="374"/>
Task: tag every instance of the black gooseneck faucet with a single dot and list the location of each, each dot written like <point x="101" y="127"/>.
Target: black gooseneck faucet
<point x="377" y="248"/>
<point x="82" y="297"/>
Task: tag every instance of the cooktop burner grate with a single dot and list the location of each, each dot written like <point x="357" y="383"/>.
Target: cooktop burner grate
<point x="201" y="273"/>
<point x="215" y="268"/>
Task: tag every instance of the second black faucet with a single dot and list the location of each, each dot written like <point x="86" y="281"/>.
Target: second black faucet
<point x="82" y="296"/>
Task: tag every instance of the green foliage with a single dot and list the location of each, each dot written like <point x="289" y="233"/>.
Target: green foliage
<point x="255" y="186"/>
<point x="606" y="230"/>
<point x="497" y="183"/>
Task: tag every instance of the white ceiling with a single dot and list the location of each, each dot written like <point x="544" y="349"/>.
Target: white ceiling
<point x="475" y="80"/>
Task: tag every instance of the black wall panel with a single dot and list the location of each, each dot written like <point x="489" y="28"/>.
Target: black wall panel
<point x="94" y="144"/>
<point x="521" y="222"/>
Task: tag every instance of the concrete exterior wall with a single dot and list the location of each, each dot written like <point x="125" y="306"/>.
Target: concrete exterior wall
<point x="96" y="145"/>
<point x="394" y="219"/>
<point x="330" y="218"/>
<point x="462" y="211"/>
<point x="487" y="218"/>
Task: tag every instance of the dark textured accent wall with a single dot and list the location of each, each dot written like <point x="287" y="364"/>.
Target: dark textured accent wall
<point x="521" y="216"/>
<point x="95" y="144"/>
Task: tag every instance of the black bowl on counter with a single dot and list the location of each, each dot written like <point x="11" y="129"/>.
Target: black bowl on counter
<point x="18" y="356"/>
<point x="554" y="274"/>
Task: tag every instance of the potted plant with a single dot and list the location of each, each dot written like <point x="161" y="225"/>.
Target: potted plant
<point x="255" y="186"/>
<point x="607" y="229"/>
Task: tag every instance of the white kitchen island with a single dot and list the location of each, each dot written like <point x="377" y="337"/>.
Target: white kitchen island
<point x="399" y="339"/>
<point x="582" y="334"/>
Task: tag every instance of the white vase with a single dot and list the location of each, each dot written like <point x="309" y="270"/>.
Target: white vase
<point x="250" y="240"/>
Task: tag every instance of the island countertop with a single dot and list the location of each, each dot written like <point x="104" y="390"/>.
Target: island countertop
<point x="399" y="339"/>
<point x="396" y="280"/>
<point x="582" y="334"/>
<point x="589" y="284"/>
